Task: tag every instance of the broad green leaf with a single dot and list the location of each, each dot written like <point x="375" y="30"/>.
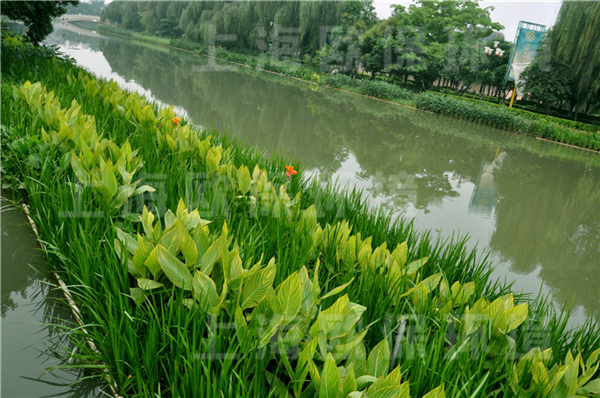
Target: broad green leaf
<point x="365" y="381"/>
<point x="307" y="296"/>
<point x="152" y="263"/>
<point x="128" y="241"/>
<point x="148" y="284"/>
<point x="210" y="257"/>
<point x="138" y="295"/>
<point x="331" y="317"/>
<point x="378" y="363"/>
<point x="515" y="316"/>
<point x="415" y="266"/>
<point x="436" y="393"/>
<point x="188" y="247"/>
<point x="241" y="330"/>
<point x="402" y="391"/>
<point x="174" y="269"/>
<point x="205" y="291"/>
<point x="142" y="189"/>
<point x="170" y="219"/>
<point x="302" y="366"/>
<point x="342" y="350"/>
<point x="80" y="172"/>
<point x="331" y="381"/>
<point x="109" y="181"/>
<point x="336" y="290"/>
<point x="358" y="359"/>
<point x="147" y="219"/>
<point x="349" y="382"/>
<point x="593" y="387"/>
<point x="123" y="193"/>
<point x="289" y="295"/>
<point x="400" y="254"/>
<point x="244" y="180"/>
<point x="170" y="240"/>
<point x="255" y="289"/>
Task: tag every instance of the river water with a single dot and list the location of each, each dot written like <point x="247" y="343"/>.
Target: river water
<point x="532" y="205"/>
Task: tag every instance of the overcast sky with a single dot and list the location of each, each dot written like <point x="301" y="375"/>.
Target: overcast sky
<point x="508" y="13"/>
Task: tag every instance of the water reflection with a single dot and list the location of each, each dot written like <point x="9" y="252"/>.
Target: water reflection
<point x="33" y="320"/>
<point x="532" y="203"/>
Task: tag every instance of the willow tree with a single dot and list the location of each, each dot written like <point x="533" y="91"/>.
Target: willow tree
<point x="576" y="39"/>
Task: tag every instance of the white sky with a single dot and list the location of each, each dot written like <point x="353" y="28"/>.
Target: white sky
<point x="507" y="12"/>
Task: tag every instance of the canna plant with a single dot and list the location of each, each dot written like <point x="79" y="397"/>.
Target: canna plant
<point x="532" y="378"/>
<point x="109" y="169"/>
<point x="96" y="161"/>
<point x="262" y="194"/>
<point x="494" y="320"/>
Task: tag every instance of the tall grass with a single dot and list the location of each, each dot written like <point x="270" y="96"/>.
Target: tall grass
<point x="165" y="342"/>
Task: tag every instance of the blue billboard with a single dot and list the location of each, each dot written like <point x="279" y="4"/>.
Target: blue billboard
<point x="527" y="42"/>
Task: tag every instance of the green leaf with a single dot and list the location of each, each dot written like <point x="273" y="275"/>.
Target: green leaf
<point x="148" y="284"/>
<point x="436" y="393"/>
<point x="289" y="294"/>
<point x="80" y="172"/>
<point x="593" y="387"/>
<point x="358" y="359"/>
<point x="142" y="189"/>
<point x="255" y="289"/>
<point x="378" y="363"/>
<point x="331" y="381"/>
<point x="364" y="381"/>
<point x="336" y="290"/>
<point x="138" y="295"/>
<point x="205" y="291"/>
<point x="331" y="317"/>
<point x="170" y="219"/>
<point x="349" y="382"/>
<point x="400" y="254"/>
<point x="109" y="181"/>
<point x="152" y="263"/>
<point x="242" y="331"/>
<point x="515" y="316"/>
<point x="244" y="180"/>
<point x="123" y="193"/>
<point x="174" y="269"/>
<point x="170" y="240"/>
<point x="188" y="247"/>
<point x="147" y="220"/>
<point x="128" y="241"/>
<point x="210" y="257"/>
<point x="307" y="296"/>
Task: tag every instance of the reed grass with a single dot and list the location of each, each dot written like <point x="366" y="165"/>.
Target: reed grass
<point x="161" y="347"/>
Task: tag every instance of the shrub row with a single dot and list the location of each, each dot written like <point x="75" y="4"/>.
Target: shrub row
<point x="506" y="118"/>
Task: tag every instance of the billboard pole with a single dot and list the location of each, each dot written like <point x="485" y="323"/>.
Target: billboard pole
<point x="523" y="52"/>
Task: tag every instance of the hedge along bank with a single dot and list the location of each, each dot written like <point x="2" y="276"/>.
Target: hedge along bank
<point x="154" y="286"/>
<point x="547" y="127"/>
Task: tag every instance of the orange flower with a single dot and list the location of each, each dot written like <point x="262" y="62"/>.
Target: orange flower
<point x="176" y="121"/>
<point x="290" y="171"/>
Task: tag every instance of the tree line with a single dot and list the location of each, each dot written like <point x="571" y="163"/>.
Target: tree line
<point x="419" y="45"/>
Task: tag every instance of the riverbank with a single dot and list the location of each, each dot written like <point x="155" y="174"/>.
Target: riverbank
<point x="155" y="317"/>
<point x="547" y="127"/>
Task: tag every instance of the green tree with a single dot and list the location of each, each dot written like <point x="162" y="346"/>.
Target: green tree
<point x="37" y="15"/>
<point x="548" y="83"/>
<point x="576" y="40"/>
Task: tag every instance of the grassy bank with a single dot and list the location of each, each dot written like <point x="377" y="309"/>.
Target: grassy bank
<point x="547" y="127"/>
<point x="204" y="269"/>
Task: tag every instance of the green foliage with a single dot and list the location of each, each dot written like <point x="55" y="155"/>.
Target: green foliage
<point x="575" y="40"/>
<point x="548" y="82"/>
<point x="533" y="378"/>
<point x="37" y="15"/>
<point x="507" y="118"/>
